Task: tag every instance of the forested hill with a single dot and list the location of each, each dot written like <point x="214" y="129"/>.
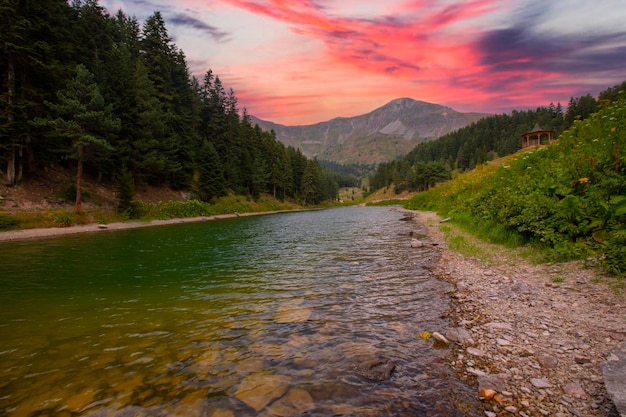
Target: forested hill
<point x="489" y="138"/>
<point x="381" y="135"/>
<point x="107" y="95"/>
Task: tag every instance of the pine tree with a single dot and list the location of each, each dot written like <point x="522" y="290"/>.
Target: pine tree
<point x="125" y="193"/>
<point x="35" y="50"/>
<point x="81" y="118"/>
<point x="211" y="182"/>
<point x="311" y="183"/>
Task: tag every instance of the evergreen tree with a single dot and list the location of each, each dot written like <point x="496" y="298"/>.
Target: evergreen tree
<point x="125" y="193"/>
<point x="81" y="117"/>
<point x="311" y="183"/>
<point x="36" y="49"/>
<point x="211" y="182"/>
<point x="580" y="108"/>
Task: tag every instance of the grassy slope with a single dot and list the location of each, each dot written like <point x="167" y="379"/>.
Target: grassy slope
<point x="569" y="197"/>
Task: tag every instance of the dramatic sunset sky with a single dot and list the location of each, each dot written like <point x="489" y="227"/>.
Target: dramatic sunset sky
<point x="305" y="61"/>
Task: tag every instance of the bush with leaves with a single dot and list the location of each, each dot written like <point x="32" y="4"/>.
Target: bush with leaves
<point x="569" y="196"/>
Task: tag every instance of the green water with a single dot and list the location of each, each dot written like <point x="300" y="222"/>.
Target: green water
<point x="267" y="315"/>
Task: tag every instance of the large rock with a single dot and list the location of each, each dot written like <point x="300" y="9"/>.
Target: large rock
<point x="460" y="335"/>
<point x="258" y="390"/>
<point x="614" y="373"/>
<point x="295" y="403"/>
<point x="377" y="369"/>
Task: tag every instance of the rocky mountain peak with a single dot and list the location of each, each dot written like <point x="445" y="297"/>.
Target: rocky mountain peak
<point x="378" y="136"/>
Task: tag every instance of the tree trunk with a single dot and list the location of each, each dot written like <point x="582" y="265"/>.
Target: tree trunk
<point x="79" y="177"/>
<point x="20" y="166"/>
<point x="10" y="93"/>
<point x="11" y="168"/>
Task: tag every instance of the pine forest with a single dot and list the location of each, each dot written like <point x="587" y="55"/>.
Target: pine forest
<point x="114" y="99"/>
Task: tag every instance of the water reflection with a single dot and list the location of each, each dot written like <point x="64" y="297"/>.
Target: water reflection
<point x="253" y="316"/>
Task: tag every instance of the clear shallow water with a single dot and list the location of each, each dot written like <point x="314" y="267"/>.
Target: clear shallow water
<point x="267" y="315"/>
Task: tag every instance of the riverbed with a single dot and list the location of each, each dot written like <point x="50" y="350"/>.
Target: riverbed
<point x="267" y="315"/>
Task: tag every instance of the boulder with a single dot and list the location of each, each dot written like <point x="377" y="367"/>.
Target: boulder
<point x="614" y="373"/>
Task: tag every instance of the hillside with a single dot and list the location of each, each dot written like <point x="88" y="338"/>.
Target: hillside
<point x="568" y="197"/>
<point x="381" y="135"/>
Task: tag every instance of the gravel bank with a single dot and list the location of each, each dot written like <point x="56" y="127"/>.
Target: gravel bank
<point x="531" y="338"/>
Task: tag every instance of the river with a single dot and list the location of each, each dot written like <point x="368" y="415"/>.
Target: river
<point x="270" y="315"/>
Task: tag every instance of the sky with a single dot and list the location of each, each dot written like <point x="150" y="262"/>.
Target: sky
<point x="299" y="62"/>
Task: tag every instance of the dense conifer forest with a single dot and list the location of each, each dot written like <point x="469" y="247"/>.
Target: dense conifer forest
<point x="114" y="98"/>
<point x="499" y="135"/>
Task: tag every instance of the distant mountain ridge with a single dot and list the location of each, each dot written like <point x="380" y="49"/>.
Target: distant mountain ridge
<point x="379" y="136"/>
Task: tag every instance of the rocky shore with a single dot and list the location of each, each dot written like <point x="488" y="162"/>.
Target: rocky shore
<point x="531" y="338"/>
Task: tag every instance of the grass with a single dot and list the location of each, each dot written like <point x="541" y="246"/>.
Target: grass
<point x="488" y="231"/>
<point x="392" y="202"/>
<point x="466" y="241"/>
<point x="464" y="244"/>
<point x="65" y="217"/>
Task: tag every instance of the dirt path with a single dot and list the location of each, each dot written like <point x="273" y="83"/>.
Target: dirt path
<point x="535" y="334"/>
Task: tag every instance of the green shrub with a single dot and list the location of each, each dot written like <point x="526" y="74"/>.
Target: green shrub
<point x="569" y="197"/>
<point x="63" y="218"/>
<point x="7" y="221"/>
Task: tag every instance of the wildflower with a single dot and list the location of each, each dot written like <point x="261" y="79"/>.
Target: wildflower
<point x="583" y="180"/>
<point x="425" y="335"/>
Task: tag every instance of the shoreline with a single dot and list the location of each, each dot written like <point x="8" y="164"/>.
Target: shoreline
<point x="530" y="338"/>
<point x="44" y="232"/>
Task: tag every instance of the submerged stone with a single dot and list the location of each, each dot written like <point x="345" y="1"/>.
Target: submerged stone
<point x="377" y="369"/>
<point x="295" y="403"/>
<point x="258" y="390"/>
<point x="222" y="413"/>
<point x="293" y="312"/>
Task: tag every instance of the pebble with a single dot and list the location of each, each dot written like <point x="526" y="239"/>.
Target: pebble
<point x="487" y="393"/>
<point x="474" y="351"/>
<point x="547" y="340"/>
<point x="548" y="361"/>
<point x="440" y="338"/>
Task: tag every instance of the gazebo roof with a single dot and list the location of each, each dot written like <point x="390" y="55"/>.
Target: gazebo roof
<point x="537" y="129"/>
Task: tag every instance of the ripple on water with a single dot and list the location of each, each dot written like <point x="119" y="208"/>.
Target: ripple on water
<point x="260" y="316"/>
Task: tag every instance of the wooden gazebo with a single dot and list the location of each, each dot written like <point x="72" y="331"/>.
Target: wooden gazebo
<point x="537" y="136"/>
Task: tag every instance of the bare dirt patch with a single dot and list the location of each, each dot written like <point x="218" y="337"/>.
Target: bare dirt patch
<point x="54" y="188"/>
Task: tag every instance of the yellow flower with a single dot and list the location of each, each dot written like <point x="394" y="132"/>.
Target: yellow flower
<point x="425" y="335"/>
<point x="583" y="180"/>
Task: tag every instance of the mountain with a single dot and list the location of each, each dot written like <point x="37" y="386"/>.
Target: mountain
<point x="379" y="136"/>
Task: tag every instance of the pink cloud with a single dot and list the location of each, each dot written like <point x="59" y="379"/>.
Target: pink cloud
<point x="479" y="55"/>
